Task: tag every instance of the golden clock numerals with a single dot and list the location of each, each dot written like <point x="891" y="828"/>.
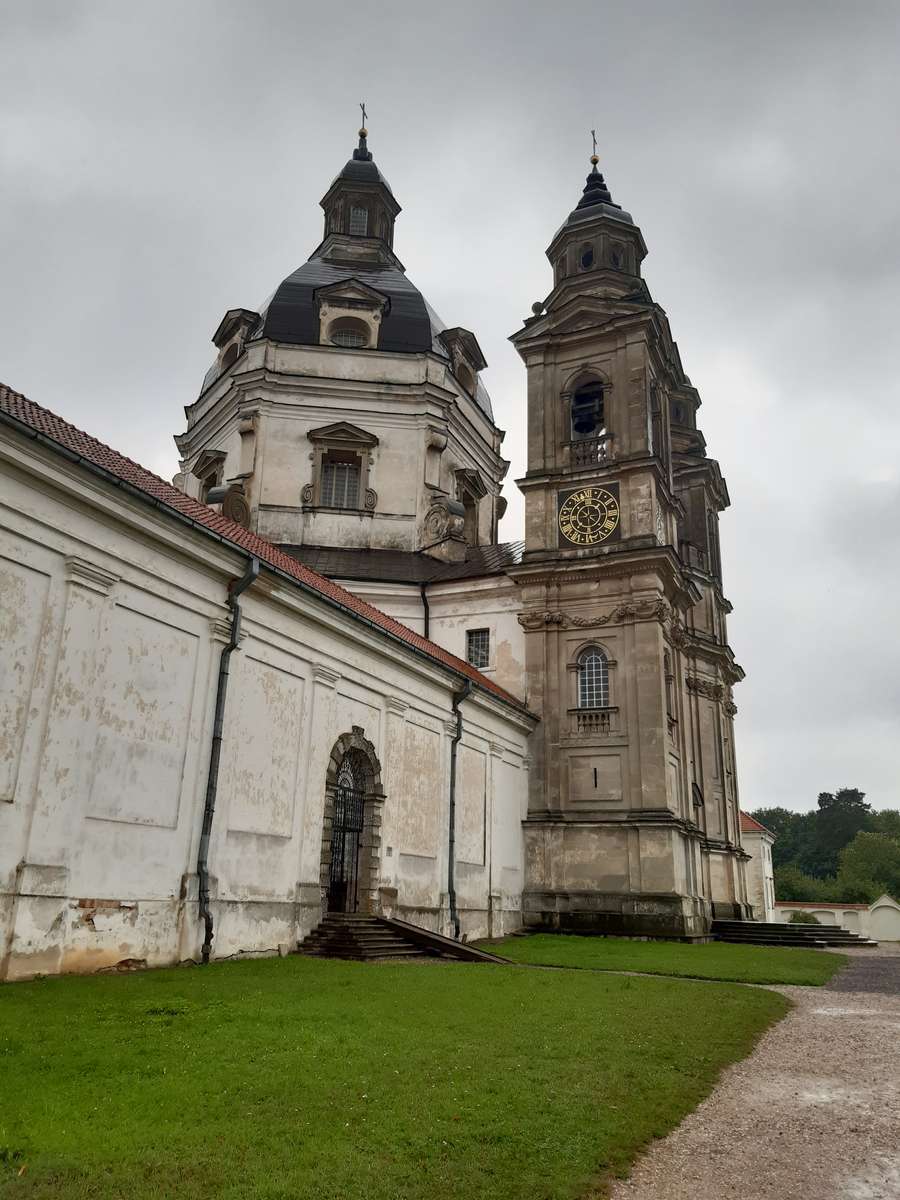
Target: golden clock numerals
<point x="588" y="516"/>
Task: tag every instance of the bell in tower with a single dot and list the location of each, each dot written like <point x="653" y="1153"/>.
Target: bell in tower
<point x="633" y="811"/>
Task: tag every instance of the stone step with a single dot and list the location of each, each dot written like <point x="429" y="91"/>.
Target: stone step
<point x="778" y="933"/>
<point x="359" y="937"/>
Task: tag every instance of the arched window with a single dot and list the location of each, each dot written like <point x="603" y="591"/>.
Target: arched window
<point x="588" y="416"/>
<point x="593" y="678"/>
<point x="587" y="257"/>
<point x="359" y="221"/>
<point x="350" y="333"/>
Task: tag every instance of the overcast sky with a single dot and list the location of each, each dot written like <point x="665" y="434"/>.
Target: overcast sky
<point x="162" y="163"/>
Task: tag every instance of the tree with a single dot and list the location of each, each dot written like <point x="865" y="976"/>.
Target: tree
<point x="887" y="821"/>
<point x="870" y="865"/>
<point x="792" y="884"/>
<point x="841" y="816"/>
<point x="792" y="832"/>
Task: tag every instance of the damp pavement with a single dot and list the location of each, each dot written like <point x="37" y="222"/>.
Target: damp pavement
<point x="812" y="1114"/>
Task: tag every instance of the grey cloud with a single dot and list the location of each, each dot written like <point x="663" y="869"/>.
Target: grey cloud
<point x="162" y="164"/>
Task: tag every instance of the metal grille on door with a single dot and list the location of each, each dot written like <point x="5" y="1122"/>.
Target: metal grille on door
<point x="346" y="832"/>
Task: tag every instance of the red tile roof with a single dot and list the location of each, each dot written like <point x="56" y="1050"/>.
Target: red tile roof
<point x="815" y="904"/>
<point x="751" y="825"/>
<point x="93" y="453"/>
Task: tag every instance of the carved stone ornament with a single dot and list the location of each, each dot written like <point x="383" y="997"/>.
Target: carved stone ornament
<point x="437" y="522"/>
<point x="678" y="633"/>
<point x="306" y="495"/>
<point x="236" y="508"/>
<point x="730" y="708"/>
<point x="371" y="499"/>
<point x="705" y="687"/>
<point x="642" y="610"/>
<point x="444" y="519"/>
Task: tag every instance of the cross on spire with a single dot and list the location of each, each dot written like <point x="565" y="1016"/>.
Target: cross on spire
<point x="594" y="139"/>
<point x="362" y="109"/>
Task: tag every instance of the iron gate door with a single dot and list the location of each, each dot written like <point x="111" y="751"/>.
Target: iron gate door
<point x="346" y="831"/>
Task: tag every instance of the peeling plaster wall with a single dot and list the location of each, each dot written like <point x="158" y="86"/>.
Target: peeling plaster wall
<point x="113" y="619"/>
<point x="491" y="603"/>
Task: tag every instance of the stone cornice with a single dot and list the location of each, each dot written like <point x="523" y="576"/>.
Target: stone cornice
<point x="88" y="575"/>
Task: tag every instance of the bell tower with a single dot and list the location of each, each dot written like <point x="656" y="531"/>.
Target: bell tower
<point x="633" y="819"/>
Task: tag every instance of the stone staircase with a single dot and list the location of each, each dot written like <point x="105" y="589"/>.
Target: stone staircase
<point x="774" y="933"/>
<point x="364" y="937"/>
<point x="357" y="936"/>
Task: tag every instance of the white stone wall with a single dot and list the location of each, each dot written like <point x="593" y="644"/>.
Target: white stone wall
<point x="112" y="619"/>
<point x="759" y="874"/>
<point x="879" y="921"/>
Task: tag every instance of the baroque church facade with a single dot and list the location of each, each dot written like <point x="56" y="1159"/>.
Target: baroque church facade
<point x="574" y="765"/>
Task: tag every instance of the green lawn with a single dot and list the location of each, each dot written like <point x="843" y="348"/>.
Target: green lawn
<point x="301" y="1079"/>
<point x="714" y="960"/>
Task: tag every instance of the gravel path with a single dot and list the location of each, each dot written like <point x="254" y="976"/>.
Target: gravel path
<point x="812" y="1114"/>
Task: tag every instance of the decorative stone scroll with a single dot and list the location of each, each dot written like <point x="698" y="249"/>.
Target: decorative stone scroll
<point x="641" y="610"/>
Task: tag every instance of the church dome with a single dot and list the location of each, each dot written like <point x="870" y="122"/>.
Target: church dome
<point x="410" y="325"/>
<point x="360" y="209"/>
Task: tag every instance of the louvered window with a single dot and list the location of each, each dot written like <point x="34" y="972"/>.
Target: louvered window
<point x="593" y="678"/>
<point x="339" y="487"/>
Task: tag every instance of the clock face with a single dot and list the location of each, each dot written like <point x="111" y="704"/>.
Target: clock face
<point x="589" y="515"/>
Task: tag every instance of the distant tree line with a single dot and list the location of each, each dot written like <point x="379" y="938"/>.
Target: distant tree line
<point x="840" y="851"/>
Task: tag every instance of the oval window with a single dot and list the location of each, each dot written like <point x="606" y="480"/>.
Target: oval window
<point x="587" y="258"/>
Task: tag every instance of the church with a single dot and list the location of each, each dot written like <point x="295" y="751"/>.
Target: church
<point x="307" y="677"/>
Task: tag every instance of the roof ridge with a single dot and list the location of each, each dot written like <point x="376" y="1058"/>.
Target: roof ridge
<point x="68" y="437"/>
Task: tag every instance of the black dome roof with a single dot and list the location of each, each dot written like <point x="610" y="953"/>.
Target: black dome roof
<point x="410" y="326"/>
<point x="361" y="170"/>
<point x="292" y="315"/>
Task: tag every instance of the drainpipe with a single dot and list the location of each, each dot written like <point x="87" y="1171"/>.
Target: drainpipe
<point x="464" y="692"/>
<point x="235" y="588"/>
<point x="426" y="614"/>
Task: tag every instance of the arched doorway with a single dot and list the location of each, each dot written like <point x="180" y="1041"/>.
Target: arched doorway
<point x="351" y="845"/>
<point x="347" y="823"/>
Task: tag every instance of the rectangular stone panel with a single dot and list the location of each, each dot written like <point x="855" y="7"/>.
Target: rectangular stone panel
<point x="420" y="800"/>
<point x="23" y="605"/>
<point x="470" y="806"/>
<point x="261" y="754"/>
<point x="145" y="690"/>
<point x="595" y="777"/>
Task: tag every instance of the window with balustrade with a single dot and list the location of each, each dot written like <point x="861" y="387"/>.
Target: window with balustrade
<point x="593" y="678"/>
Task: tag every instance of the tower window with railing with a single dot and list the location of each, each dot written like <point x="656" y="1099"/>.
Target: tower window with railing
<point x="593" y="678"/>
<point x="588" y="417"/>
